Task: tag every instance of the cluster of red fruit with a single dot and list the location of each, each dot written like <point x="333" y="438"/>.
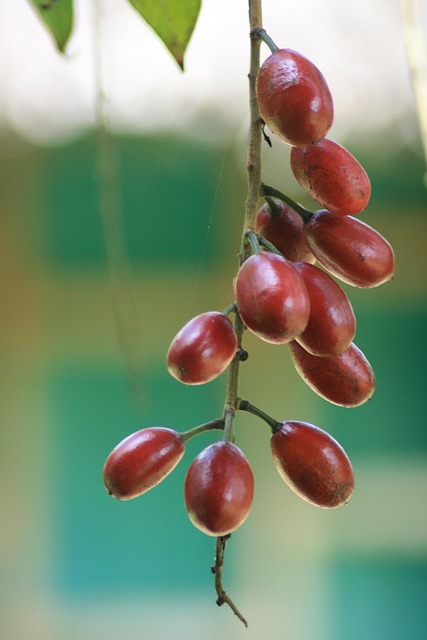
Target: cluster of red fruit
<point x="282" y="297"/>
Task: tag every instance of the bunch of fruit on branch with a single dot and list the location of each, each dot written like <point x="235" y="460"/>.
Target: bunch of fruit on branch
<point x="287" y="292"/>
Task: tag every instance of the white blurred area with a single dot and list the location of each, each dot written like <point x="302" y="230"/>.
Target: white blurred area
<point x="47" y="98"/>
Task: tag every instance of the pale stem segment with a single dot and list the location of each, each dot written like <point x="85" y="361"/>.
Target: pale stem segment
<point x="253" y="168"/>
<point x="223" y="598"/>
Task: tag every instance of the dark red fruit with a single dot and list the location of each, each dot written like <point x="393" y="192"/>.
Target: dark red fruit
<point x="351" y="250"/>
<point x="332" y="323"/>
<point x="284" y="228"/>
<point x="347" y="380"/>
<point x="313" y="464"/>
<point x="219" y="489"/>
<point x="294" y="99"/>
<point x="332" y="176"/>
<point x="141" y="461"/>
<point x="272" y="298"/>
<point x="202" y="349"/>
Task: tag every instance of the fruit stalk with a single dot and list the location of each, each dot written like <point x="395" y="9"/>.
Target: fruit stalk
<point x="269" y="192"/>
<point x="253" y="158"/>
<point x="245" y="405"/>
<point x="223" y="598"/>
<point x="254" y="172"/>
<point x="202" y="428"/>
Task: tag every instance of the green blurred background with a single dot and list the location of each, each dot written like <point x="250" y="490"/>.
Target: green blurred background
<point x="82" y="366"/>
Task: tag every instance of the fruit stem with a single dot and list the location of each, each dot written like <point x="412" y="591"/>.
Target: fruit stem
<point x="263" y="35"/>
<point x="253" y="169"/>
<point x="268" y="245"/>
<point x="201" y="428"/>
<point x="252" y="238"/>
<point x="232" y="308"/>
<point x="275" y="208"/>
<point x="253" y="157"/>
<point x="217" y="569"/>
<point x="245" y="405"/>
<point x="229" y="415"/>
<point x="267" y="191"/>
<point x="255" y="240"/>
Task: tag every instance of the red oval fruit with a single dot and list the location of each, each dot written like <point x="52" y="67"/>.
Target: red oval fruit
<point x="346" y="380"/>
<point x="202" y="349"/>
<point x="351" y="250"/>
<point x="294" y="99"/>
<point x="284" y="228"/>
<point x="332" y="323"/>
<point x="219" y="489"/>
<point x="312" y="464"/>
<point x="332" y="176"/>
<point x="272" y="298"/>
<point x="142" y="460"/>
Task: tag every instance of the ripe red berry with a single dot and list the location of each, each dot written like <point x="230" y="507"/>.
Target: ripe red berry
<point x="294" y="99"/>
<point x="313" y="464"/>
<point x="141" y="461"/>
<point x="332" y="176"/>
<point x="351" y="250"/>
<point x="202" y="349"/>
<point x="272" y="298"/>
<point x="219" y="489"/>
<point x="332" y="323"/>
<point x="284" y="228"/>
<point x="346" y="380"/>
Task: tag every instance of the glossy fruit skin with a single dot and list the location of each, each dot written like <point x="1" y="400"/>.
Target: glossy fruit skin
<point x="141" y="461"/>
<point x="284" y="228"/>
<point x="332" y="323"/>
<point x="347" y="380"/>
<point x="294" y="99"/>
<point x="202" y="349"/>
<point x="219" y="489"/>
<point x="351" y="250"/>
<point x="332" y="176"/>
<point x="272" y="298"/>
<point x="313" y="464"/>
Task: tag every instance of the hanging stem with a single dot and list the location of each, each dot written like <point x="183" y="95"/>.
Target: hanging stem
<point x="263" y="35"/>
<point x="245" y="405"/>
<point x="253" y="168"/>
<point x="202" y="428"/>
<point x="217" y="569"/>
<point x="274" y="207"/>
<point x="252" y="238"/>
<point x="271" y="192"/>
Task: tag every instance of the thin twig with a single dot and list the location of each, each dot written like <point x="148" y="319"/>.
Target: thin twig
<point x="253" y="167"/>
<point x="217" y="569"/>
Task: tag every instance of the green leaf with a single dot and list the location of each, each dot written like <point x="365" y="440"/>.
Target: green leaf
<point x="57" y="16"/>
<point x="172" y="20"/>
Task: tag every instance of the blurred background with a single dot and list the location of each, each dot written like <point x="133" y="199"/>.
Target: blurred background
<point x="92" y="296"/>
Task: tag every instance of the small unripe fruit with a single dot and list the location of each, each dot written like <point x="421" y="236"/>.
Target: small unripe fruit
<point x="219" y="489"/>
<point x="141" y="461"/>
<point x="312" y="464"/>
